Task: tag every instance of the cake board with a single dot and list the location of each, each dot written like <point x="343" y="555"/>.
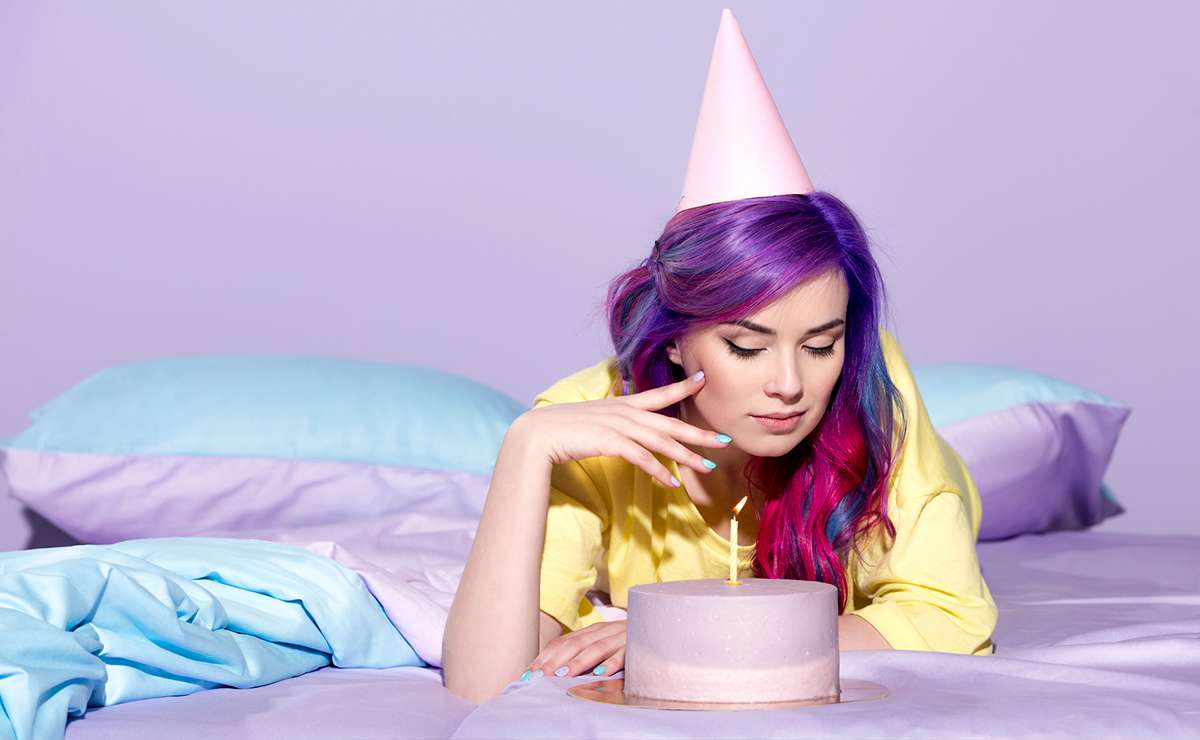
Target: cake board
<point x="612" y="691"/>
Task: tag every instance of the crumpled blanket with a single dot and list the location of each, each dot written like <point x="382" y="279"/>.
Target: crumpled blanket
<point x="95" y="625"/>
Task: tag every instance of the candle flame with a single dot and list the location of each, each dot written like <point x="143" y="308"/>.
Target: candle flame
<point x="737" y="509"/>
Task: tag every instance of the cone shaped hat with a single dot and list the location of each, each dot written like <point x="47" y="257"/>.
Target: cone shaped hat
<point x="740" y="148"/>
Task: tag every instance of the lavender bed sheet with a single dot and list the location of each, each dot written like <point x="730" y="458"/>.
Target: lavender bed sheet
<point x="1099" y="635"/>
<point x="349" y="703"/>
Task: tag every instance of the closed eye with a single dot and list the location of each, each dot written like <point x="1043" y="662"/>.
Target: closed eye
<point x="744" y="353"/>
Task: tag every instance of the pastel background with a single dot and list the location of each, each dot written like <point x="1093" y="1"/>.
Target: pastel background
<point x="453" y="184"/>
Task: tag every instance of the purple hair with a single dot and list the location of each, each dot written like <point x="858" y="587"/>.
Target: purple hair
<point x="725" y="261"/>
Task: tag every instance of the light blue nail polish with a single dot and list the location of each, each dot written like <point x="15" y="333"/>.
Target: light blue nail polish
<point x="709" y="464"/>
<point x="698" y="376"/>
<point x="539" y="673"/>
<point x="599" y="670"/>
<point x="525" y="676"/>
<point x="561" y="671"/>
<point x="724" y="438"/>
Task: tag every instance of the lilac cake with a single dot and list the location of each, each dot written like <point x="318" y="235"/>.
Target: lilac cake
<point x="704" y="640"/>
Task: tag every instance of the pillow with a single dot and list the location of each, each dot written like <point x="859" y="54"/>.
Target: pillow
<point x="185" y="446"/>
<point x="188" y="446"/>
<point x="1037" y="447"/>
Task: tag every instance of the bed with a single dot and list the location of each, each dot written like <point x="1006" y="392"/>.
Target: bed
<point x="1092" y="641"/>
<point x="1089" y="645"/>
<point x="1098" y="635"/>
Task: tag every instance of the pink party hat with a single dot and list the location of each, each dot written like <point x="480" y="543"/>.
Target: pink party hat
<point x="740" y="149"/>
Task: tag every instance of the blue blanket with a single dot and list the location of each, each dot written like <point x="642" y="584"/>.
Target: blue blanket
<point x="94" y="625"/>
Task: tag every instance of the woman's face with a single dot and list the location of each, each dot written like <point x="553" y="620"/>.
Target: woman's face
<point x="784" y="359"/>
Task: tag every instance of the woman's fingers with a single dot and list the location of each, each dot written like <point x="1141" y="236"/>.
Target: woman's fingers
<point x="687" y="432"/>
<point x="664" y="396"/>
<point x="588" y="658"/>
<point x="612" y="664"/>
<point x="620" y="445"/>
<point x="656" y="440"/>
<point x="579" y="652"/>
<point x="572" y="658"/>
<point x="682" y="430"/>
<point x="649" y="402"/>
<point x="562" y="648"/>
<point x="675" y="428"/>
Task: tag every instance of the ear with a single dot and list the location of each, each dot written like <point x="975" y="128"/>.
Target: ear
<point x="673" y="354"/>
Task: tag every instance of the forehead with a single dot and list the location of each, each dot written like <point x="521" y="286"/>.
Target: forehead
<point x="812" y="303"/>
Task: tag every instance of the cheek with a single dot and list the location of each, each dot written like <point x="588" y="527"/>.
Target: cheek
<point x="822" y="391"/>
<point x="725" y="406"/>
<point x="717" y="402"/>
<point x="825" y="389"/>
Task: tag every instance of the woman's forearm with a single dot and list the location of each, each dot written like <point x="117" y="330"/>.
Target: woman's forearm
<point x="856" y="633"/>
<point x="492" y="629"/>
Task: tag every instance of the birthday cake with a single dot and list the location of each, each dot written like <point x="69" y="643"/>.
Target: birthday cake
<point x="706" y="640"/>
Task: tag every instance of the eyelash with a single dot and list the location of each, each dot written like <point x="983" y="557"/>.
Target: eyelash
<point x="745" y="354"/>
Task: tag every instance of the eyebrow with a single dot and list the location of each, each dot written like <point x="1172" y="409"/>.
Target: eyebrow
<point x="747" y="324"/>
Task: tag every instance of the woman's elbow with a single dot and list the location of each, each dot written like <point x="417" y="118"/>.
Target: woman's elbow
<point x="467" y="684"/>
<point x="471" y="693"/>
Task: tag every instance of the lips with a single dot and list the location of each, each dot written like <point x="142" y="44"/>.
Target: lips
<point x="773" y="424"/>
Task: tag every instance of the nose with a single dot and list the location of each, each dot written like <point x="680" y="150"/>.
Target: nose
<point x="786" y="383"/>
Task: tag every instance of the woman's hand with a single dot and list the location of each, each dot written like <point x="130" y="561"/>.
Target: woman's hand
<point x="623" y="426"/>
<point x="583" y="651"/>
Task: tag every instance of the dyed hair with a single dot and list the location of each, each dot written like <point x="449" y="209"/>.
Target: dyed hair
<point x="725" y="261"/>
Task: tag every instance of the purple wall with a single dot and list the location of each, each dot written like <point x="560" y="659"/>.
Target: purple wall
<point x="453" y="184"/>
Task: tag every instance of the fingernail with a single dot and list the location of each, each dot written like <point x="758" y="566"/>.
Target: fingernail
<point x="599" y="670"/>
<point x="709" y="463"/>
<point x="698" y="376"/>
<point x="539" y="673"/>
<point x="674" y="481"/>
<point x="525" y="676"/>
<point x="561" y="671"/>
<point x="724" y="438"/>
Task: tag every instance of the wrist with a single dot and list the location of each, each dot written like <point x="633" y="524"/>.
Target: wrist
<point x="522" y="441"/>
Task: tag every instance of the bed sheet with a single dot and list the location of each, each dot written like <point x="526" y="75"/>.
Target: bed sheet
<point x="1099" y="635"/>
<point x="350" y="703"/>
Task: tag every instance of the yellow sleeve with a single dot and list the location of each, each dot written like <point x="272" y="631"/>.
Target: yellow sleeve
<point x="926" y="589"/>
<point x="575" y="524"/>
<point x="576" y="520"/>
<point x="927" y="592"/>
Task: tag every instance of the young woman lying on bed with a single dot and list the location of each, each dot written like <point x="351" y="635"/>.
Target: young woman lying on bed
<point x="625" y="472"/>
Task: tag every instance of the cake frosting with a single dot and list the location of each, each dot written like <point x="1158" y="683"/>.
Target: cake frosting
<point x="706" y="640"/>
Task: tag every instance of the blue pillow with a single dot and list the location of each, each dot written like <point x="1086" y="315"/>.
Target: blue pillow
<point x="954" y="391"/>
<point x="1037" y="447"/>
<point x="278" y="406"/>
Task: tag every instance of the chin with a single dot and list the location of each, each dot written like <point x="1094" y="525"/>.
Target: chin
<point x="774" y="446"/>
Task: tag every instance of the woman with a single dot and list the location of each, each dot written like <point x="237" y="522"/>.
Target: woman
<point x="625" y="472"/>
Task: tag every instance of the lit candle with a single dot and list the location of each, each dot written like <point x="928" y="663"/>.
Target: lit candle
<point x="733" y="542"/>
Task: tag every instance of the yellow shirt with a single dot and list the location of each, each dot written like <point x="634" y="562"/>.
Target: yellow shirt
<point x="610" y="527"/>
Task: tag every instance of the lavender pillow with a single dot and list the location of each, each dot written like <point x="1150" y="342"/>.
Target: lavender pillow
<point x="191" y="446"/>
<point x="197" y="445"/>
<point x="1037" y="447"/>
